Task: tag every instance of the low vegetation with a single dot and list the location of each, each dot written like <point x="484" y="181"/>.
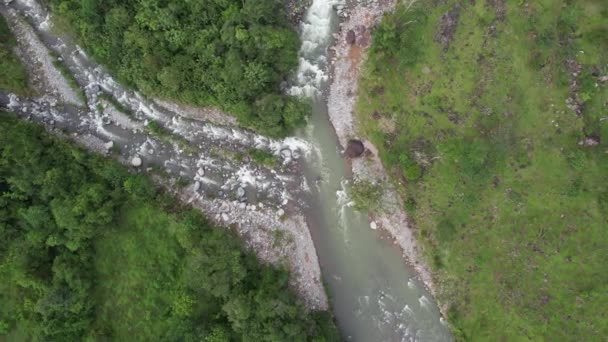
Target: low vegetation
<point x="500" y="143"/>
<point x="13" y="76"/>
<point x="366" y="195"/>
<point x="117" y="104"/>
<point x="230" y="53"/>
<point x="89" y="251"/>
<point x="263" y="158"/>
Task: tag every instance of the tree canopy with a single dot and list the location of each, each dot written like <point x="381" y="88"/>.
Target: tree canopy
<point x="90" y="251"/>
<point x="228" y="53"/>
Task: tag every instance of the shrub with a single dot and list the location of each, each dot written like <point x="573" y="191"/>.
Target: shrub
<point x="366" y="195"/>
<point x="411" y="170"/>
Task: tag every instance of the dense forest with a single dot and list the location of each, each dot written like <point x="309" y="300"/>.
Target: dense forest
<point x="491" y="115"/>
<point x="12" y="74"/>
<point x="89" y="251"/>
<point x="228" y="53"/>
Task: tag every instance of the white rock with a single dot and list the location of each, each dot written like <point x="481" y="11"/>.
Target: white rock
<point x="286" y="153"/>
<point x="136" y="161"/>
<point x="373" y="225"/>
<point x="225" y="217"/>
<point x="200" y="172"/>
<point x="280" y="212"/>
<point x="240" y="192"/>
<point x="108" y="145"/>
<point x="197" y="186"/>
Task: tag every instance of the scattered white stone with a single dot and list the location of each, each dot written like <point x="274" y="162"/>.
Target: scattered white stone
<point x="200" y="172"/>
<point x="280" y="212"/>
<point x="136" y="161"/>
<point x="108" y="146"/>
<point x="240" y="192"/>
<point x="373" y="225"/>
<point x="286" y="153"/>
<point x="225" y="217"/>
<point x="197" y="186"/>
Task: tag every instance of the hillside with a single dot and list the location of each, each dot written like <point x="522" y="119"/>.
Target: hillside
<point x="491" y="117"/>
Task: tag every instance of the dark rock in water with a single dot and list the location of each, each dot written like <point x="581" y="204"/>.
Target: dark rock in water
<point x="351" y="38"/>
<point x="354" y="149"/>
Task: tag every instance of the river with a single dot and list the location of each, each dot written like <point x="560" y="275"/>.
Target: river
<point x="373" y="292"/>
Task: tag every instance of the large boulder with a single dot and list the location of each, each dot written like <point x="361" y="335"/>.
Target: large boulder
<point x="354" y="149"/>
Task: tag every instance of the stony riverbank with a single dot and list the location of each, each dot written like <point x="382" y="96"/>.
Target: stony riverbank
<point x="348" y="54"/>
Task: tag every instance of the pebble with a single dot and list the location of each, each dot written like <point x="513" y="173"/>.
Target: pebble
<point x="240" y="192"/>
<point x="280" y="212"/>
<point x="225" y="217"/>
<point x="373" y="225"/>
<point x="197" y="186"/>
<point x="136" y="161"/>
<point x="200" y="172"/>
<point x="108" y="146"/>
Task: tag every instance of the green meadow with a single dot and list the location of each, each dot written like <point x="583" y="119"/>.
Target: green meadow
<point x="470" y="105"/>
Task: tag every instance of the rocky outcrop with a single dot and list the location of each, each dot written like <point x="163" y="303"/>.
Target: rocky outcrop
<point x="590" y="141"/>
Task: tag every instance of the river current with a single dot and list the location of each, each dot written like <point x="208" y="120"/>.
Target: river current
<point x="374" y="294"/>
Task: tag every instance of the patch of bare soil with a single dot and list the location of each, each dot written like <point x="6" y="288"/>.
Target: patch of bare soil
<point x="446" y="27"/>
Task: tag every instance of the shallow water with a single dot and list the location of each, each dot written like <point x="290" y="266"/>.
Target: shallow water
<point x="374" y="294"/>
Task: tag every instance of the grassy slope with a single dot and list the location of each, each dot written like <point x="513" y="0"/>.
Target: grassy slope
<point x="511" y="211"/>
<point x="12" y="74"/>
